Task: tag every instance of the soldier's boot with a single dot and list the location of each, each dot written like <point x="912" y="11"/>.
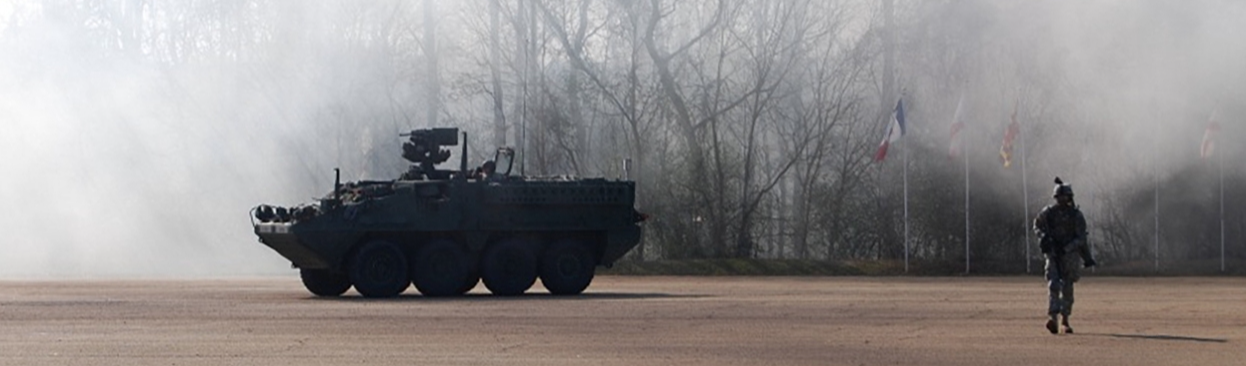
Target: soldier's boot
<point x="1051" y="324"/>
<point x="1064" y="324"/>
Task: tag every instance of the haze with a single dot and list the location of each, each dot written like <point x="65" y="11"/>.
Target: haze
<point x="135" y="136"/>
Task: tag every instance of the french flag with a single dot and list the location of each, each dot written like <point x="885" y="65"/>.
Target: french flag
<point x="893" y="133"/>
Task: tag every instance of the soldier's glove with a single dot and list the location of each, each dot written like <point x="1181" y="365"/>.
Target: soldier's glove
<point x="1089" y="262"/>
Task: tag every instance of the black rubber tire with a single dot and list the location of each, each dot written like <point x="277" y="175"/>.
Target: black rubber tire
<point x="379" y="269"/>
<point x="509" y="267"/>
<point x="442" y="267"/>
<point x="324" y="283"/>
<point x="567" y="267"/>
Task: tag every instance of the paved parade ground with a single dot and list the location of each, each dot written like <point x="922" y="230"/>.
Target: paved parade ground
<point x="627" y="321"/>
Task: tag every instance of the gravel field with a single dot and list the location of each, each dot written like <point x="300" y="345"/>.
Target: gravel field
<point x="627" y="321"/>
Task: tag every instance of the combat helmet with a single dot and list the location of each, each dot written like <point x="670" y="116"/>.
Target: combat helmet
<point x="1062" y="188"/>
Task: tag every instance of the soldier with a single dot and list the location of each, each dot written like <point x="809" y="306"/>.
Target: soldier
<point x="485" y="171"/>
<point x="488" y="170"/>
<point x="1061" y="230"/>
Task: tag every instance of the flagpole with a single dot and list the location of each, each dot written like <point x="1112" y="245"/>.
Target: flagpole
<point x="906" y="208"/>
<point x="892" y="136"/>
<point x="1155" y="173"/>
<point x="1025" y="196"/>
<point x="1220" y="157"/>
<point x="965" y="151"/>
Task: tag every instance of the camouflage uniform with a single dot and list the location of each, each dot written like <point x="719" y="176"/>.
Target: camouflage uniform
<point x="1061" y="229"/>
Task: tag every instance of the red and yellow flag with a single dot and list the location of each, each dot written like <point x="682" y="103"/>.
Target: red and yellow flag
<point x="1014" y="129"/>
<point x="1208" y="148"/>
<point x="954" y="147"/>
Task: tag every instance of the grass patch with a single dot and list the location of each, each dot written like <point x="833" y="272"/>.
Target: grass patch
<point x="733" y="267"/>
<point x="794" y="267"/>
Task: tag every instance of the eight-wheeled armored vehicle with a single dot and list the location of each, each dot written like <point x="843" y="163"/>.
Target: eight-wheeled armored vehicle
<point x="445" y="230"/>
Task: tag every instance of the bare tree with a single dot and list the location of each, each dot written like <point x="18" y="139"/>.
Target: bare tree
<point x="433" y="74"/>
<point x="495" y="75"/>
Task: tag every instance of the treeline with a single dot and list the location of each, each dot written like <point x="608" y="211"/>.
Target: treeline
<point x="750" y="125"/>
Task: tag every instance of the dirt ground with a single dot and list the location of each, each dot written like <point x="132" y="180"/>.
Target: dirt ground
<point x="627" y="321"/>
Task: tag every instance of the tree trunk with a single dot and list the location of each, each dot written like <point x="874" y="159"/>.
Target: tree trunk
<point x="432" y="82"/>
<point x="495" y="61"/>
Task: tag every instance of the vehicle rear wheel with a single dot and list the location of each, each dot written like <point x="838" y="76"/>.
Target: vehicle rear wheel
<point x="567" y="267"/>
<point x="324" y="283"/>
<point x="442" y="268"/>
<point x="379" y="269"/>
<point x="509" y="267"/>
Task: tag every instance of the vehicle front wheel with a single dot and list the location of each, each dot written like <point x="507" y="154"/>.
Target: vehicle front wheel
<point x="324" y="283"/>
<point x="379" y="269"/>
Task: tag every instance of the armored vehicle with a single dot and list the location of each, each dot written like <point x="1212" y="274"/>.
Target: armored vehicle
<point x="445" y="230"/>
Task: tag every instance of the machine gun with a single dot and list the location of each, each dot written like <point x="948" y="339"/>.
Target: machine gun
<point x="1056" y="250"/>
<point x="423" y="148"/>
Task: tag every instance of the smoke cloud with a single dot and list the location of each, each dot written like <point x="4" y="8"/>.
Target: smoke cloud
<point x="133" y="142"/>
